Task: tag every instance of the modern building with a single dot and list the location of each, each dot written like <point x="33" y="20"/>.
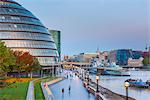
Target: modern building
<point x="103" y="58"/>
<point x="146" y="56"/>
<point x="120" y="56"/>
<point x="22" y="31"/>
<point x="136" y="54"/>
<point x="112" y="56"/>
<point x="136" y="63"/>
<point x="85" y="57"/>
<point x="57" y="39"/>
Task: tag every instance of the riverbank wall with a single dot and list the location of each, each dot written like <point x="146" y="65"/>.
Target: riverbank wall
<point x="104" y="93"/>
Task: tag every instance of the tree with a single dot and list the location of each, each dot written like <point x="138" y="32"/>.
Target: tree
<point x="7" y="58"/>
<point x="18" y="64"/>
<point x="26" y="62"/>
<point x="33" y="66"/>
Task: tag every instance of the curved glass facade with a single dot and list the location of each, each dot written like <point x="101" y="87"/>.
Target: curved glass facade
<point x="22" y="31"/>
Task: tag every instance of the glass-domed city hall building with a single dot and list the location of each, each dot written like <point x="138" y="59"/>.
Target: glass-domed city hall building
<point x="21" y="30"/>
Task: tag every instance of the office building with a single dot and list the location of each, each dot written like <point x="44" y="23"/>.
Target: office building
<point x="120" y="57"/>
<point x="22" y="31"/>
<point x="57" y="39"/>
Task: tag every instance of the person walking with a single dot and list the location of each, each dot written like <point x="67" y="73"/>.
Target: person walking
<point x="63" y="90"/>
<point x="69" y="88"/>
<point x="46" y="85"/>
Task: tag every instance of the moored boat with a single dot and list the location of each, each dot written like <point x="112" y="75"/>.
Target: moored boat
<point x="115" y="73"/>
<point x="137" y="83"/>
<point x="115" y="70"/>
<point x="112" y="69"/>
<point x="148" y="82"/>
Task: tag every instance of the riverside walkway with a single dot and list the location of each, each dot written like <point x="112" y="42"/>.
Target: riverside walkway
<point x="77" y="91"/>
<point x="30" y="93"/>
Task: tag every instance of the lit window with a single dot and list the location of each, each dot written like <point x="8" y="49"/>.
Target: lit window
<point x="10" y="10"/>
<point x="15" y="26"/>
<point x="2" y="17"/>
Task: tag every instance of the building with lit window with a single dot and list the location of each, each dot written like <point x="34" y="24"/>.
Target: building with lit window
<point x="21" y="30"/>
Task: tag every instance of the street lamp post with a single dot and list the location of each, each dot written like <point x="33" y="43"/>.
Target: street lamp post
<point x="80" y="73"/>
<point x="84" y="75"/>
<point x="97" y="78"/>
<point x="126" y="85"/>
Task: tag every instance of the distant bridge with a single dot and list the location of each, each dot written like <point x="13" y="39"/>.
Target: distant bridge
<point x="79" y="64"/>
<point x="87" y="66"/>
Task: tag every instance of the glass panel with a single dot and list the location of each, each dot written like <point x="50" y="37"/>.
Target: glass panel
<point x="25" y="35"/>
<point x="46" y="61"/>
<point x="19" y="19"/>
<point x="6" y="4"/>
<point x="29" y="44"/>
<point x="16" y="12"/>
<point x="22" y="27"/>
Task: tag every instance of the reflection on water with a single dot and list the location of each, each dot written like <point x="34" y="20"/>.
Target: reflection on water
<point x="116" y="84"/>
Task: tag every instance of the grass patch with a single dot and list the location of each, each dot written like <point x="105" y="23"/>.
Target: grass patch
<point x="37" y="87"/>
<point x="38" y="92"/>
<point x="15" y="91"/>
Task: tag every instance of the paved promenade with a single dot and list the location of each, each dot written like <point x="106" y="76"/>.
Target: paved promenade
<point x="47" y="92"/>
<point x="30" y="93"/>
<point x="77" y="92"/>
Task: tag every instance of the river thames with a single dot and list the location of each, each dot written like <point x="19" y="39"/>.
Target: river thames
<point x="116" y="84"/>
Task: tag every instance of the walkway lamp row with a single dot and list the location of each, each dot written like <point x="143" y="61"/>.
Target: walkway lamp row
<point x="86" y="76"/>
<point x="126" y="85"/>
<point x="97" y="79"/>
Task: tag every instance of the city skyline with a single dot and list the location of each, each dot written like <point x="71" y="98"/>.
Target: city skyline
<point x="89" y="24"/>
<point x="74" y="49"/>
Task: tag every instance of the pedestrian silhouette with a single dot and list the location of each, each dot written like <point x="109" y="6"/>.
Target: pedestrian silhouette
<point x="62" y="93"/>
<point x="69" y="88"/>
<point x="62" y="90"/>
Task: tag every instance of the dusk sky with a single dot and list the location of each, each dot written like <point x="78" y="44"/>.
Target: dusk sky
<point x="88" y="24"/>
